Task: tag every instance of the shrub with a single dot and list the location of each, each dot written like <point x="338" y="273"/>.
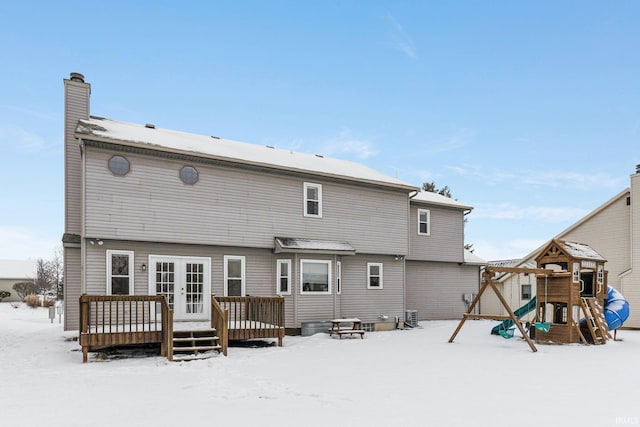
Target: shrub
<point x="32" y="301"/>
<point x="4" y="294"/>
<point x="48" y="302"/>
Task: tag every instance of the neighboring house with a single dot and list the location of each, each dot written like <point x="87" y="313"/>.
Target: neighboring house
<point x="156" y="211"/>
<point x="15" y="271"/>
<point x="613" y="230"/>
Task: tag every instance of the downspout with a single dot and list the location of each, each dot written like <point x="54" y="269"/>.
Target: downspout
<point x="335" y="282"/>
<point x="83" y="242"/>
<point x="404" y="261"/>
<point x="294" y="290"/>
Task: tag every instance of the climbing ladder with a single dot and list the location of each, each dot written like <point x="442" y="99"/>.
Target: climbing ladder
<point x="595" y="321"/>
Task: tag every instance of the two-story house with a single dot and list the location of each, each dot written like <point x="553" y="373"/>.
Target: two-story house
<point x="151" y="211"/>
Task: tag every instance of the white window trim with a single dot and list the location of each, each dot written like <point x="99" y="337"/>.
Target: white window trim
<point x="315" y="261"/>
<point x="338" y="277"/>
<point x="242" y="258"/>
<point x="279" y="276"/>
<point x="381" y="275"/>
<point x="319" y="187"/>
<point x="130" y="254"/>
<point x="428" y="212"/>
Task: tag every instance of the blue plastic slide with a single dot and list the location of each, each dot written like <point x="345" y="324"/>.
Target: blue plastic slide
<point x="616" y="309"/>
<point x="528" y="307"/>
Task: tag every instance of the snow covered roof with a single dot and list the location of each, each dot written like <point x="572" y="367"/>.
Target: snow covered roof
<point x="580" y="250"/>
<point x="146" y="136"/>
<point x="287" y="244"/>
<point x="429" y="197"/>
<point x="17" y="269"/>
<point x="472" y="259"/>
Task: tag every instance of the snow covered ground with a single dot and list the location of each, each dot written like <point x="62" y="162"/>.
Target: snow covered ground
<point x="408" y="378"/>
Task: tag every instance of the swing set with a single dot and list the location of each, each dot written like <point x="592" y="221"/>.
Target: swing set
<point x="487" y="282"/>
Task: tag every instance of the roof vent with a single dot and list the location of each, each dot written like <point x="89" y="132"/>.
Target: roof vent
<point x="637" y="168"/>
<point x="320" y="155"/>
<point x="269" y="146"/>
<point x="76" y="77"/>
<point x="215" y="137"/>
<point x="150" y="126"/>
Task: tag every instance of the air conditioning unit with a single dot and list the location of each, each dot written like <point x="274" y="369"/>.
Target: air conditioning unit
<point x="411" y="318"/>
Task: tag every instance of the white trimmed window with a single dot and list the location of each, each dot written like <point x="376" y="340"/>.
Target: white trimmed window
<point x="374" y="275"/>
<point x="234" y="278"/>
<point x="283" y="277"/>
<point x="315" y="276"/>
<point x="424" y="222"/>
<point x="119" y="272"/>
<point x="313" y="200"/>
<point x="338" y="277"/>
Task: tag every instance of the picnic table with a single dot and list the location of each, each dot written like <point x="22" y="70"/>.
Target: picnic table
<point x="349" y="326"/>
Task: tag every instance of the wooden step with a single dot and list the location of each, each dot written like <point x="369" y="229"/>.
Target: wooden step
<point x="199" y="356"/>
<point x="195" y="344"/>
<point x="196" y="349"/>
<point x="187" y="339"/>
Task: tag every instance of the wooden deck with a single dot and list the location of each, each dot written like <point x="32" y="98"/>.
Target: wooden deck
<point x="109" y="320"/>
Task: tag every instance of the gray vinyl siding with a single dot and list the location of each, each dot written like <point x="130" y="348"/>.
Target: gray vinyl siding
<point x="446" y="241"/>
<point x="72" y="288"/>
<point x="76" y="108"/>
<point x="235" y="207"/>
<point x="259" y="265"/>
<point x="608" y="233"/>
<point x="368" y="304"/>
<point x="435" y="289"/>
<point x="311" y="307"/>
<point x="631" y="281"/>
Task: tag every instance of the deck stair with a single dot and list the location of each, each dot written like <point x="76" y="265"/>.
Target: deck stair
<point x="595" y="320"/>
<point x="195" y="344"/>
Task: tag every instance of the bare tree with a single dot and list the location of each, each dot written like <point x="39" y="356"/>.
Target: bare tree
<point x="25" y="288"/>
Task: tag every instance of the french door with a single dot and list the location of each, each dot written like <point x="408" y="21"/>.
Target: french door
<point x="185" y="281"/>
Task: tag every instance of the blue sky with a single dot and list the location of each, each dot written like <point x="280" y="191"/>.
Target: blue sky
<point x="529" y="111"/>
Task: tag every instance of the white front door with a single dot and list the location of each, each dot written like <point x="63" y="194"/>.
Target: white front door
<point x="185" y="281"/>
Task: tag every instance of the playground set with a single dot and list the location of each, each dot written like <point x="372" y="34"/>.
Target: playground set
<point x="572" y="305"/>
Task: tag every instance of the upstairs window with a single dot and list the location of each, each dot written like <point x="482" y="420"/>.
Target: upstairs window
<point x="312" y="200"/>
<point x="424" y="222"/>
<point x="119" y="273"/>
<point x="119" y="165"/>
<point x="283" y="277"/>
<point x="374" y="275"/>
<point x="189" y="175"/>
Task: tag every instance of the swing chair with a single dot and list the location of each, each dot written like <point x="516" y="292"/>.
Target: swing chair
<point x="543" y="326"/>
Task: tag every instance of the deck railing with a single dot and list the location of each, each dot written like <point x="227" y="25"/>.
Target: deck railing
<point x="252" y="317"/>
<point x="125" y="319"/>
<point x="220" y="322"/>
